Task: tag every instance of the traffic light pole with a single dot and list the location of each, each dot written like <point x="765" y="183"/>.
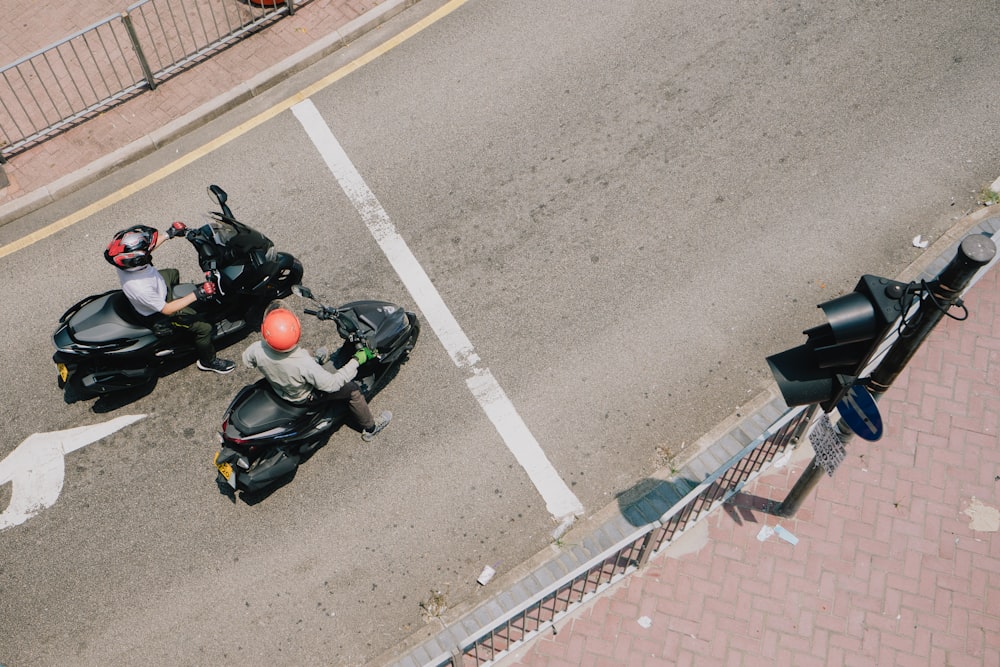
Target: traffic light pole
<point x="974" y="252"/>
<point x="809" y="479"/>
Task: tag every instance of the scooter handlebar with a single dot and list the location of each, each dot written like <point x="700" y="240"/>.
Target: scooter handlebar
<point x="324" y="313"/>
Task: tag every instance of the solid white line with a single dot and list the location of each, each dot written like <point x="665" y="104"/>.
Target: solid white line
<point x="559" y="500"/>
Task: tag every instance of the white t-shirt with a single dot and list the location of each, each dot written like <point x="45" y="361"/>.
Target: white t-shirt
<point x="145" y="288"/>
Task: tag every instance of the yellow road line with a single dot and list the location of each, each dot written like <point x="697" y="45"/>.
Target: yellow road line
<point x="234" y="133"/>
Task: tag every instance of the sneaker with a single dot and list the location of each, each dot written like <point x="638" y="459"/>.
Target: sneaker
<point x="220" y="366"/>
<point x="380" y="423"/>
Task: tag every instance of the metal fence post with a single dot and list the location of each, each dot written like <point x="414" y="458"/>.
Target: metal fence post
<point x="647" y="546"/>
<point x="143" y="63"/>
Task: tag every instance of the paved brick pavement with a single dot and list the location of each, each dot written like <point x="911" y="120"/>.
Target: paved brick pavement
<point x="29" y="26"/>
<point x="898" y="555"/>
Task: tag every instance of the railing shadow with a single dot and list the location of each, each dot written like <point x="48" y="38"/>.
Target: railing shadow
<point x="650" y="499"/>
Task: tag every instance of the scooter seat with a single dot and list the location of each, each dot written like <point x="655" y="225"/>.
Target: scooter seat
<point x="262" y="409"/>
<point x="107" y="319"/>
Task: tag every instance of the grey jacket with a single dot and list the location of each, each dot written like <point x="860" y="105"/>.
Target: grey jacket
<point x="295" y="374"/>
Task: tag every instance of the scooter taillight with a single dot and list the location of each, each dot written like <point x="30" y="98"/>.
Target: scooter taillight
<point x="229" y="435"/>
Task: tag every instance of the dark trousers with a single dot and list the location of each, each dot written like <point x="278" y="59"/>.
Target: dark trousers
<point x="351" y="393"/>
<point x="188" y="321"/>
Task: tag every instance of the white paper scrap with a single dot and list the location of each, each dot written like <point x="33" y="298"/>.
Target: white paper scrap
<point x="765" y="532"/>
<point x="645" y="622"/>
<point x="785" y="535"/>
<point x="486" y="575"/>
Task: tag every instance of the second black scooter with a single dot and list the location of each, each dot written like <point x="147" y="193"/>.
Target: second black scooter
<point x="264" y="438"/>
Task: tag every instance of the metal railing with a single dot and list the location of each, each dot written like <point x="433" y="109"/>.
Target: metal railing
<point x="62" y="85"/>
<point x="576" y="588"/>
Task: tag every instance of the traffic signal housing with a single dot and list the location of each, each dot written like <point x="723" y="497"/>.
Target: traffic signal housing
<point x="828" y="364"/>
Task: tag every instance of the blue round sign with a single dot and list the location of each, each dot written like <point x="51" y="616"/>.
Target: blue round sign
<point x="860" y="412"/>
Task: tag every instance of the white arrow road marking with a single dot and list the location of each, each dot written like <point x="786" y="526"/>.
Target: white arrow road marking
<point x="36" y="467"/>
<point x="561" y="503"/>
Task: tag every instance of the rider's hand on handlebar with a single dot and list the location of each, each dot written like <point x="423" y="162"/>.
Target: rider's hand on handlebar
<point x="205" y="291"/>
<point x="363" y="355"/>
<point x="177" y="229"/>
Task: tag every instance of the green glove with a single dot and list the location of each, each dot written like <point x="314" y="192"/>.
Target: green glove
<point x="363" y="355"/>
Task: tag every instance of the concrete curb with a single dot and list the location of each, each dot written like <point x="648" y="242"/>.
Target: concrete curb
<point x="204" y="114"/>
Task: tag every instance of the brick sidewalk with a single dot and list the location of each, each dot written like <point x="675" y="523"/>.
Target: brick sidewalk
<point x="32" y="26"/>
<point x="897" y="560"/>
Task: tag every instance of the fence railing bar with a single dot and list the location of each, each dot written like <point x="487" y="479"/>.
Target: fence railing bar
<point x="45" y="89"/>
<point x="170" y="45"/>
<point x="201" y="22"/>
<point x="226" y="16"/>
<point x="153" y="40"/>
<point x="83" y="71"/>
<point x="20" y="104"/>
<point x="190" y="30"/>
<point x="111" y="60"/>
<point x="4" y="136"/>
<point x="215" y="21"/>
<point x="178" y="27"/>
<point x="35" y="54"/>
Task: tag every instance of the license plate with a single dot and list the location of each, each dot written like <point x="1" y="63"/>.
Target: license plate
<point x="63" y="372"/>
<point x="226" y="470"/>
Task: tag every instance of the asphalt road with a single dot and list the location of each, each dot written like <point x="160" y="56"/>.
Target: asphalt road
<point x="625" y="211"/>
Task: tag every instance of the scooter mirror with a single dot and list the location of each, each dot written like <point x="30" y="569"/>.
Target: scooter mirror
<point x="302" y="291"/>
<point x="217" y="194"/>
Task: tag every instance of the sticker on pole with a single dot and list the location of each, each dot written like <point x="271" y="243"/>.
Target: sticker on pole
<point x="830" y="451"/>
<point x="860" y="412"/>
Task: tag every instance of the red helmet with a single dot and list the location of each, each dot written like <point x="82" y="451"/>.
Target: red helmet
<point x="281" y="329"/>
<point x="130" y="248"/>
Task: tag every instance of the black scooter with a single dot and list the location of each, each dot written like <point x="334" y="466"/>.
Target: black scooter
<point x="264" y="438"/>
<point x="103" y="346"/>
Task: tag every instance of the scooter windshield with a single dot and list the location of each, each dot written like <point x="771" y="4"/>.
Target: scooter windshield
<point x="222" y="232"/>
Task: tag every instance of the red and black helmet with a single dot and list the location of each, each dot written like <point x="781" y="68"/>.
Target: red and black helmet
<point x="130" y="248"/>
